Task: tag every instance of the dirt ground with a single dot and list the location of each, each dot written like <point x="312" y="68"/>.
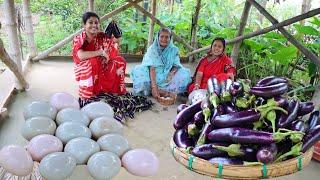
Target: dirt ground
<point x="151" y="129"/>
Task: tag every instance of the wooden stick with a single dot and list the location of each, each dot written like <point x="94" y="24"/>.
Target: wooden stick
<point x="285" y="33"/>
<point x="265" y="30"/>
<point x="179" y="39"/>
<point x="194" y="27"/>
<point x="29" y="28"/>
<point x="243" y="22"/>
<point x="57" y="46"/>
<point x="10" y="22"/>
<point x="12" y="66"/>
<point x="151" y="28"/>
<point x="91" y="5"/>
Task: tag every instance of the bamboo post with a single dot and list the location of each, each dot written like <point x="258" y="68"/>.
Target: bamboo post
<point x="194" y="27"/>
<point x="310" y="55"/>
<point x="264" y="5"/>
<point x="178" y="38"/>
<point x="151" y="28"/>
<point x="10" y="22"/>
<point x="63" y="42"/>
<point x="306" y="5"/>
<point x="243" y="22"/>
<point x="265" y="30"/>
<point x="12" y="66"/>
<point x="91" y="5"/>
<point x="29" y="28"/>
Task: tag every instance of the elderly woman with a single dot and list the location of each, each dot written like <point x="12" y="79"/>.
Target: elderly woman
<point x="98" y="68"/>
<point x="161" y="69"/>
<point x="216" y="63"/>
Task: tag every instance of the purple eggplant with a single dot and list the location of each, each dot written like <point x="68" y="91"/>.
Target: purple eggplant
<point x="271" y="80"/>
<point x="260" y="101"/>
<point x="214" y="91"/>
<point x="198" y="119"/>
<point x="244" y="152"/>
<point x="281" y="101"/>
<point x="267" y="154"/>
<point x="294" y="151"/>
<point x="286" y="119"/>
<point x="245" y="136"/>
<point x="305" y="108"/>
<point x="226" y="161"/>
<point x="182" y="139"/>
<point x="205" y="103"/>
<point x="186" y="115"/>
<point x="311" y="138"/>
<point x="181" y="107"/>
<point x="236" y="89"/>
<point x="314" y="119"/>
<point x="229" y="108"/>
<point x="269" y="91"/>
<point x="236" y="119"/>
<point x="220" y="109"/>
<point x="206" y="151"/>
<point x="299" y="125"/>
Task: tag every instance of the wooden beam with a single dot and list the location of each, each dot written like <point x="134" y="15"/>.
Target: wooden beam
<point x="265" y="30"/>
<point x="151" y="28"/>
<point x="310" y="55"/>
<point x="10" y="22"/>
<point x="63" y="42"/>
<point x="12" y="66"/>
<point x="243" y="22"/>
<point x="29" y="28"/>
<point x="175" y="36"/>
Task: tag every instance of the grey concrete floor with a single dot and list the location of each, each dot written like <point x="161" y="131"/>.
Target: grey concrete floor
<point x="151" y="129"/>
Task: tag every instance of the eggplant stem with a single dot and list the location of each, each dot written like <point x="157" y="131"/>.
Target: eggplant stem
<point x="295" y="151"/>
<point x="232" y="149"/>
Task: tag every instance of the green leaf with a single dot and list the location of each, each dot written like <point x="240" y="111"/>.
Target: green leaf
<point x="274" y="35"/>
<point x="315" y="21"/>
<point x="285" y="55"/>
<point x="254" y="44"/>
<point x="312" y="69"/>
<point x="308" y="30"/>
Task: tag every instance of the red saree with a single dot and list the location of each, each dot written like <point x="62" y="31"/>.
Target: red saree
<point x="94" y="75"/>
<point x="219" y="67"/>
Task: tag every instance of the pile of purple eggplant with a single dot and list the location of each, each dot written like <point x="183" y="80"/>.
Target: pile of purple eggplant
<point x="124" y="106"/>
<point x="238" y="124"/>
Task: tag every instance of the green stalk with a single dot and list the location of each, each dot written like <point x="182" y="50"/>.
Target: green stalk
<point x="202" y="139"/>
<point x="295" y="151"/>
<point x="192" y="130"/>
<point x="232" y="149"/>
<point x="214" y="100"/>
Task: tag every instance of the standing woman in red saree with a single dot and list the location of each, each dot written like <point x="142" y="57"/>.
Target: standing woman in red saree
<point x="216" y="63"/>
<point x="98" y="68"/>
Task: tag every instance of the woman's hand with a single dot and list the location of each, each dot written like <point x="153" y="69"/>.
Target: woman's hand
<point x="169" y="77"/>
<point x="120" y="71"/>
<point x="196" y="86"/>
<point x="154" y="91"/>
<point x="104" y="54"/>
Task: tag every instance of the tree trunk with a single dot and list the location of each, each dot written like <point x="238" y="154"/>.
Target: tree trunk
<point x="306" y="5"/>
<point x="10" y="22"/>
<point x="309" y="54"/>
<point x="194" y="27"/>
<point x="91" y="5"/>
<point x="171" y="6"/>
<point x="29" y="28"/>
<point x="12" y="66"/>
<point x="243" y="22"/>
<point x="151" y="28"/>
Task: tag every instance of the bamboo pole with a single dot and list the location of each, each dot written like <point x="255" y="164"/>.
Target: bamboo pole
<point x="243" y="22"/>
<point x="12" y="66"/>
<point x="265" y="30"/>
<point x="29" y="28"/>
<point x="194" y="27"/>
<point x="305" y="7"/>
<point x="10" y="22"/>
<point x="151" y="28"/>
<point x="57" y="46"/>
<point x="91" y="5"/>
<point x="178" y="38"/>
<point x="310" y="55"/>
